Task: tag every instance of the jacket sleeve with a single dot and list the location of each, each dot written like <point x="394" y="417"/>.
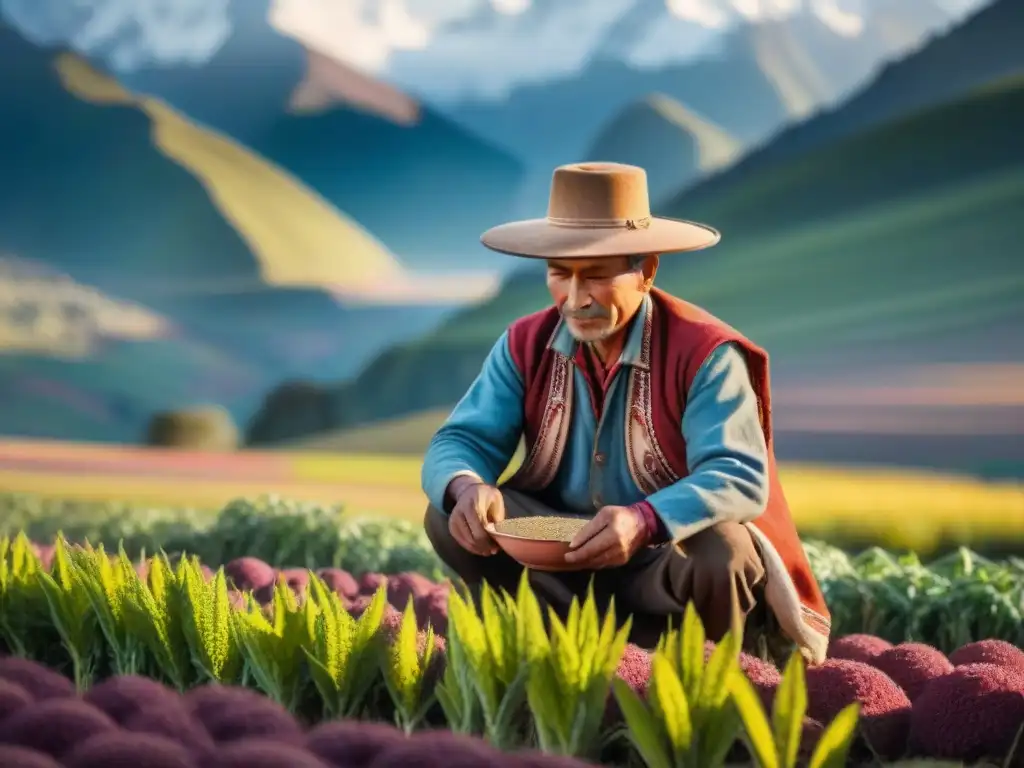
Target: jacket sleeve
<point x="482" y="433"/>
<point x="725" y="450"/>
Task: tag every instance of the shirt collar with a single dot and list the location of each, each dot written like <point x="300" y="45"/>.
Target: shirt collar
<point x="563" y="342"/>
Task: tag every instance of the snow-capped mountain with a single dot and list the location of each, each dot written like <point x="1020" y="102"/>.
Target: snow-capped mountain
<point x="448" y="50"/>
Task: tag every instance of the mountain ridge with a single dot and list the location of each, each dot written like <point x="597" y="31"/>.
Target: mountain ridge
<point x="990" y="36"/>
<point x="422" y="184"/>
<point x="670" y="141"/>
<point x="750" y="85"/>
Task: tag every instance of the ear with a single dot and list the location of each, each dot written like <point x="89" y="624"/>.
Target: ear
<point x="648" y="271"/>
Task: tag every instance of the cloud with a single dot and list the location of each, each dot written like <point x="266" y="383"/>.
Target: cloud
<point x="363" y="33"/>
<point x="706" y="13"/>
<point x="511" y="7"/>
<point x="486" y="53"/>
<point x="127" y="33"/>
<point x="840" y="20"/>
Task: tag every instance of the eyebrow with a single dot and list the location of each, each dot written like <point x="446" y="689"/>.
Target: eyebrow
<point x="595" y="270"/>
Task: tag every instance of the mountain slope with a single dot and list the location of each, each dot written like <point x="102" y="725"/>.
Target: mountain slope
<point x="552" y="123"/>
<point x="985" y="47"/>
<point x="898" y="241"/>
<point x="420" y="183"/>
<point x="810" y="67"/>
<point x="899" y="246"/>
<point x="286" y="319"/>
<point x="674" y="144"/>
<point x="127" y="197"/>
<point x="294" y="235"/>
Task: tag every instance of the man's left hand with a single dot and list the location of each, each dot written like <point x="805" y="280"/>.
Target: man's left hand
<point x="609" y="540"/>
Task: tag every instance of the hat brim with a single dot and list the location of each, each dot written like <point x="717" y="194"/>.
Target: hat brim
<point x="540" y="239"/>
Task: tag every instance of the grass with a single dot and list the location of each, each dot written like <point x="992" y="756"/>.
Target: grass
<point x="928" y="295"/>
<point x="401" y="436"/>
<point x="899" y="509"/>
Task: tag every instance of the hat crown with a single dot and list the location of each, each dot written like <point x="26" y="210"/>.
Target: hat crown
<point x="598" y="192"/>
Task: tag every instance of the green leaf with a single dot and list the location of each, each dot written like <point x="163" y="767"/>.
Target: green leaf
<point x="206" y="621"/>
<point x="758" y="731"/>
<point x="107" y="596"/>
<point x="225" y="657"/>
<point x="644" y="731"/>
<point x="834" y="744"/>
<point x="403" y="671"/>
<point x="323" y="681"/>
<point x="667" y="698"/>
<point x="788" y="711"/>
<point x="497" y="631"/>
<point x="572" y="619"/>
<point x="456" y="694"/>
<point x="691" y="653"/>
<point x="256" y="636"/>
<point x="341" y="651"/>
<point x="530" y="623"/>
<point x="480" y="666"/>
<point x="566" y="660"/>
<point x="551" y="712"/>
<point x="148" y="618"/>
<point x="718" y="735"/>
<point x="512" y="704"/>
<point x="449" y="697"/>
<point x="721" y="668"/>
<point x="22" y="601"/>
<point x="72" y="624"/>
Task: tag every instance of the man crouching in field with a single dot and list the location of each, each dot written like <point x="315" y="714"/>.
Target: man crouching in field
<point x="639" y="409"/>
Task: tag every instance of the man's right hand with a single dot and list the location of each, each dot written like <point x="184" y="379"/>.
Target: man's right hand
<point x="478" y="508"/>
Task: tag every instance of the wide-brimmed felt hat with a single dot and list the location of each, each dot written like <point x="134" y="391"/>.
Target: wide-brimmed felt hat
<point x="596" y="210"/>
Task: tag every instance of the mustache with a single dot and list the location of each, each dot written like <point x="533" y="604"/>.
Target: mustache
<point x="593" y="311"/>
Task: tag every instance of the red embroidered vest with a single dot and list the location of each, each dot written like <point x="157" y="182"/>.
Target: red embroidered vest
<point x="677" y="339"/>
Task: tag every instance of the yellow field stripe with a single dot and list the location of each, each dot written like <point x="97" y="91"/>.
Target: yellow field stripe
<point x="899" y="508"/>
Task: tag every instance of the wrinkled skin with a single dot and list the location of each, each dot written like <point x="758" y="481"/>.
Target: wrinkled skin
<point x="598" y="297"/>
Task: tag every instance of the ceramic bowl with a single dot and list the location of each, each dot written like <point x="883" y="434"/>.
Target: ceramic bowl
<point x="535" y="554"/>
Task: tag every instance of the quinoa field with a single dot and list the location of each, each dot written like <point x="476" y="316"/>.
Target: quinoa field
<point x="285" y="633"/>
<point x="900" y="509"/>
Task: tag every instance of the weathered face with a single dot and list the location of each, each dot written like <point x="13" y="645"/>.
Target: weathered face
<point x="598" y="297"/>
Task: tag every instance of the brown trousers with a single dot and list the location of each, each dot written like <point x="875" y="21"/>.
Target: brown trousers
<point x="719" y="569"/>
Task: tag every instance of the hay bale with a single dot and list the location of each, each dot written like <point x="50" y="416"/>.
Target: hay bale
<point x="203" y="428"/>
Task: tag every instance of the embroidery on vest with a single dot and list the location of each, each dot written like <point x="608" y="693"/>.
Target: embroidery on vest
<point x="648" y="466"/>
<point x="541" y="464"/>
<point x="815" y="620"/>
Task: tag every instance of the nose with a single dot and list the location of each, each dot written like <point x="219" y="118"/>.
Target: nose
<point x="577" y="297"/>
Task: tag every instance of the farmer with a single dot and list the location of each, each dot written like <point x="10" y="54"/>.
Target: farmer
<point x="638" y="409"/>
